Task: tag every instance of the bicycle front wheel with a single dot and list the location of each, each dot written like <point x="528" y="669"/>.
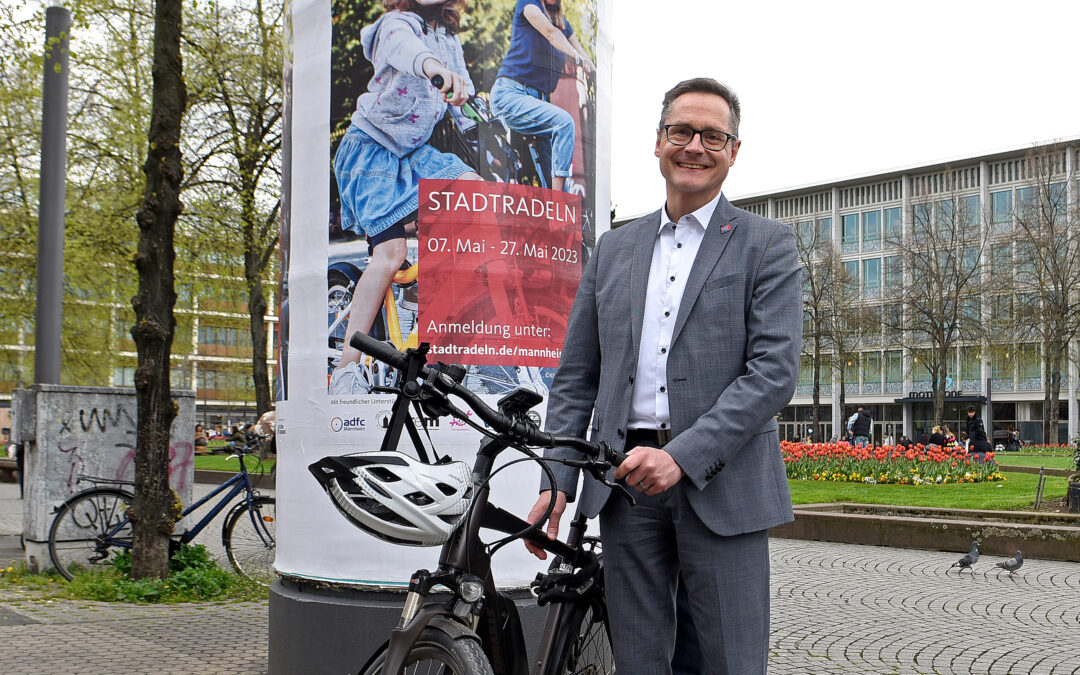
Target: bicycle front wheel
<point x="89" y="530"/>
<point x="250" y="539"/>
<point x="437" y="652"/>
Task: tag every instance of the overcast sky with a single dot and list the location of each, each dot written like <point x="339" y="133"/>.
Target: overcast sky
<point x="833" y="89"/>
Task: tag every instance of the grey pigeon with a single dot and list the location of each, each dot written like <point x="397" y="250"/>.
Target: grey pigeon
<point x="1012" y="564"/>
<point x="969" y="559"/>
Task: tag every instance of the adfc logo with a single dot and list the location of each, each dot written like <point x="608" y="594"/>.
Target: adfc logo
<point x="352" y="424"/>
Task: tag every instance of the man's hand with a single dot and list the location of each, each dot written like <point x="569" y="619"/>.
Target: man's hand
<point x="650" y="470"/>
<point x="553" y="523"/>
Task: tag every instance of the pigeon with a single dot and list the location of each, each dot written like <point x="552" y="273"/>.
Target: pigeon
<point x="1012" y="564"/>
<point x="969" y="559"/>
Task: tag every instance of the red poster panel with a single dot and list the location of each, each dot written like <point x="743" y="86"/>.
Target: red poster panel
<point x="500" y="265"/>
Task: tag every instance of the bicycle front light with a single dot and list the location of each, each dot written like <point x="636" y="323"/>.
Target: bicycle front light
<point x="470" y="590"/>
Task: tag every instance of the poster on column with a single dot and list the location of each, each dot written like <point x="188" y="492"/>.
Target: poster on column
<point x="447" y="178"/>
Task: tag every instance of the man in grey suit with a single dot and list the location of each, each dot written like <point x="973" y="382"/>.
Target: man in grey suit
<point x="682" y="346"/>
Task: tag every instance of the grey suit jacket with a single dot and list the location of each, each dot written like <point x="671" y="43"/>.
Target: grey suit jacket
<point x="732" y="364"/>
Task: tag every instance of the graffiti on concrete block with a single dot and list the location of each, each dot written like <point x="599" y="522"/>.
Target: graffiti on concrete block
<point x="100" y="442"/>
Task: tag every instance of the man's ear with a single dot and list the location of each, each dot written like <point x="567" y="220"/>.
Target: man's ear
<point x="659" y="140"/>
<point x="734" y="151"/>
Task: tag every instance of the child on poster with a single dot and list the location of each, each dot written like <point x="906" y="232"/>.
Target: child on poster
<point x="384" y="153"/>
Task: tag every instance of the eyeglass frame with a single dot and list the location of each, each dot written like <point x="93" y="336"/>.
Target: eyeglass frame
<point x="729" y="138"/>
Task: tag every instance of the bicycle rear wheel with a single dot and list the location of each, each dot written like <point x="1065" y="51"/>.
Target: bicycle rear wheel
<point x="250" y="540"/>
<point x="589" y="651"/>
<point x="89" y="530"/>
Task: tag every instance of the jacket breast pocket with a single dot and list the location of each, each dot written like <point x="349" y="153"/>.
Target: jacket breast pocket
<point x="729" y="282"/>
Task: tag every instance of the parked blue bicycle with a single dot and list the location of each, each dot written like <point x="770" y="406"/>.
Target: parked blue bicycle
<point x="92" y="526"/>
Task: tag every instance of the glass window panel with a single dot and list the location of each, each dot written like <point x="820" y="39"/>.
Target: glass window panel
<point x="851" y="370"/>
<point x="893" y="224"/>
<point x="920" y="220"/>
<point x="1001" y="363"/>
<point x="945" y="213"/>
<point x="849" y="228"/>
<point x="969" y="211"/>
<point x="871" y="226"/>
<point x="1027" y="360"/>
<point x="824" y="231"/>
<point x="1026" y="202"/>
<point x="1001" y="258"/>
<point x="1001" y="206"/>
<point x="970" y="363"/>
<point x="893" y="271"/>
<point x="804" y="231"/>
<point x="918" y="361"/>
<point x="871" y="273"/>
<point x="851" y="271"/>
<point x="871" y="368"/>
<point x="894" y="366"/>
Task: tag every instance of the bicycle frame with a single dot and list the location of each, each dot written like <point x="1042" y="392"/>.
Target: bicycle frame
<point x="463" y="558"/>
<point x="241" y="482"/>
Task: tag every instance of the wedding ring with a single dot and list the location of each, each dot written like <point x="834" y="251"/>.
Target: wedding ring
<point x="641" y="484"/>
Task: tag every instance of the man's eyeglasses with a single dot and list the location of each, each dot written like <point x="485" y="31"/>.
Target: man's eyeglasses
<point x="712" y="139"/>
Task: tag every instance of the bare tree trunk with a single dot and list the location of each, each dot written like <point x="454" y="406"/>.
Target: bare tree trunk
<point x="818" y="432"/>
<point x="255" y="262"/>
<point x="155" y="507"/>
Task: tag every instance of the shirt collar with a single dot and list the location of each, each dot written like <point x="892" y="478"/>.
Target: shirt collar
<point x="703" y="215"/>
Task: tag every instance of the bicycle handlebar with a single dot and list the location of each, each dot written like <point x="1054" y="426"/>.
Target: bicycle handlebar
<point x="515" y="429"/>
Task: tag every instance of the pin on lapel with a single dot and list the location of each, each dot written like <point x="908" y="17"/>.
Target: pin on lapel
<point x="726" y="228"/>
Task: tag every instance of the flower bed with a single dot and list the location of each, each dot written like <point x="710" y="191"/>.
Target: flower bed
<point x="930" y="465"/>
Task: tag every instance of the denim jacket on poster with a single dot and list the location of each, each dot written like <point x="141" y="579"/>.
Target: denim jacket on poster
<point x="400" y="107"/>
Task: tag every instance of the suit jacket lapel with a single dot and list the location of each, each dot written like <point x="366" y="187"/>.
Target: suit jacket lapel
<point x="717" y="235"/>
<point x="639" y="275"/>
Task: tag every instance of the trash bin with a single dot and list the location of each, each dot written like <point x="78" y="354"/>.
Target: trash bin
<point x="1074" y="497"/>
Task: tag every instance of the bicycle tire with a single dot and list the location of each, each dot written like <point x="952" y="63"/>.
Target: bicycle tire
<point x="76" y="537"/>
<point x="250" y="550"/>
<point x="588" y="650"/>
<point x="436" y="652"/>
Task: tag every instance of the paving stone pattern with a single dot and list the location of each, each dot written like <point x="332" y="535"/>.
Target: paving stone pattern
<point x="840" y="608"/>
<point x="836" y="608"/>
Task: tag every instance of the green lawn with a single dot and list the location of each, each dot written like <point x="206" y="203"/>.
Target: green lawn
<point x="224" y="463"/>
<point x="1017" y="493"/>
<point x="1049" y="461"/>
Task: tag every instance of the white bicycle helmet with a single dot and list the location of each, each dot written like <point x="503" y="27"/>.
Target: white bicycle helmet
<point x="396" y="497"/>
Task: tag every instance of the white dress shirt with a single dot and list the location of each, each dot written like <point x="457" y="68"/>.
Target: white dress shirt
<point x="674" y="251"/>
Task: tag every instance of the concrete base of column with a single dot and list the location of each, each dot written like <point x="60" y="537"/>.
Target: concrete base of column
<point x="316" y="630"/>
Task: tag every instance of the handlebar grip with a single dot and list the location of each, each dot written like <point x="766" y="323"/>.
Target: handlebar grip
<point x="437" y="81"/>
<point x="378" y="349"/>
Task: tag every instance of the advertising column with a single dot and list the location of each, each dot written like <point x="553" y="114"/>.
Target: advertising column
<point x="447" y="177"/>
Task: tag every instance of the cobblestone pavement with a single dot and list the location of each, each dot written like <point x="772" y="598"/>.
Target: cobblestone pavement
<point x="840" y="608"/>
<point x="836" y="608"/>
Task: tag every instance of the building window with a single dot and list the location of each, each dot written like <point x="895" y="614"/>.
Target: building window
<point x="1001" y="207"/>
<point x="893" y="271"/>
<point x="851" y="271"/>
<point x="969" y="212"/>
<point x="805" y="232"/>
<point x="1027" y="360"/>
<point x="920" y="221"/>
<point x="124" y="376"/>
<point x="824" y="231"/>
<point x="920" y="373"/>
<point x="871" y="268"/>
<point x="871" y="372"/>
<point x="894" y="366"/>
<point x="871" y="228"/>
<point x="849" y="229"/>
<point x="970" y="364"/>
<point x="893" y="226"/>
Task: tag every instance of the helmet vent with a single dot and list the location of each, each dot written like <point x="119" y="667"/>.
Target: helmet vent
<point x="383" y="474"/>
<point x="447" y="490"/>
<point x="419" y="498"/>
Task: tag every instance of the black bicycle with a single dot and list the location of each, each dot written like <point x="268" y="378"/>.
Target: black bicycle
<point x="476" y="630"/>
<point x="92" y="526"/>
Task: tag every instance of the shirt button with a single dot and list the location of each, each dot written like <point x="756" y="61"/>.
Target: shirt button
<point x="678" y="245"/>
<point x="663" y="425"/>
<point x="663" y="389"/>
<point x="663" y="350"/>
<point x="667" y="313"/>
<point x="672" y="278"/>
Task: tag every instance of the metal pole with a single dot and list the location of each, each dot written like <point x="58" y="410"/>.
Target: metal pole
<point x="50" y="259"/>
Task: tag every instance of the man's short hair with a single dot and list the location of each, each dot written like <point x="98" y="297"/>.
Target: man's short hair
<point x="971" y="408"/>
<point x="859" y="406"/>
<point x="705" y="85"/>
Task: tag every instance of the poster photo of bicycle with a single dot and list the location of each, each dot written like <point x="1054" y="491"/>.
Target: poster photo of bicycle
<point x="463" y="187"/>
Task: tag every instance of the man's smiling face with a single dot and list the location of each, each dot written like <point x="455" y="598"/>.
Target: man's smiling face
<point x="693" y="173"/>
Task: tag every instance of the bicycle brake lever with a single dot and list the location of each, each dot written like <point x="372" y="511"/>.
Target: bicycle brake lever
<point x="624" y="491"/>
